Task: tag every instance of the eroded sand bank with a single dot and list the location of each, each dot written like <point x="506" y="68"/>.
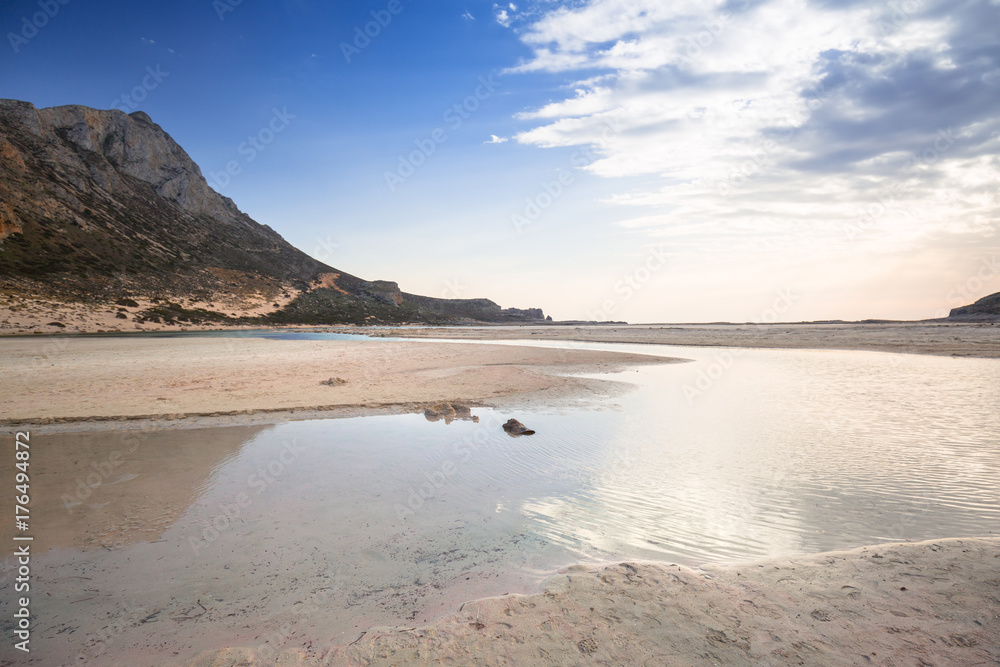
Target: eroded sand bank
<point x="931" y="603"/>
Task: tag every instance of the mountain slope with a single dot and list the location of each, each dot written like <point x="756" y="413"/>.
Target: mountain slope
<point x="103" y="207"/>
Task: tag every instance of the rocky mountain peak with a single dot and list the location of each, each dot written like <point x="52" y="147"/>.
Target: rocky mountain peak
<point x="132" y="144"/>
<point x="102" y="207"/>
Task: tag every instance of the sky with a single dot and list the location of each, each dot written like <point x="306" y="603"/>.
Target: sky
<point x="632" y="160"/>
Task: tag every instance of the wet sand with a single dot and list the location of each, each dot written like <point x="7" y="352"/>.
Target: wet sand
<point x="92" y="379"/>
<point x="932" y="603"/>
<point x="947" y="339"/>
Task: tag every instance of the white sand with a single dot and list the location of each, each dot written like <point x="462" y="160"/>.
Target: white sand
<point x="932" y="603"/>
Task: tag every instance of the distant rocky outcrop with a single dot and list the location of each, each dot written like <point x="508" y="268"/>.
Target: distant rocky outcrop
<point x="96" y="206"/>
<point x="986" y="309"/>
<point x="475" y="309"/>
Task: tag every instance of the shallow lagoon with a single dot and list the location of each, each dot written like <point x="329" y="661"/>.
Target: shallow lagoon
<point x="312" y="531"/>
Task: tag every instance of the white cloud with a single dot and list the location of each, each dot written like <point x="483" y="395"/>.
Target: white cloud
<point x="494" y="139"/>
<point x="468" y="16"/>
<point x="768" y="113"/>
<point x="503" y="18"/>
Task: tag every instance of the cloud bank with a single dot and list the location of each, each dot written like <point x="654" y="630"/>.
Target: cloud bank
<point x="805" y="121"/>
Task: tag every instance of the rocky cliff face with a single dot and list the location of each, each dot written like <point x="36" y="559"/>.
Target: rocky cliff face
<point x="986" y="309"/>
<point x="97" y="203"/>
<point x="101" y="206"/>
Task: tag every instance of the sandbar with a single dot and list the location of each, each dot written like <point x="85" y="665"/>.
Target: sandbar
<point x="77" y="380"/>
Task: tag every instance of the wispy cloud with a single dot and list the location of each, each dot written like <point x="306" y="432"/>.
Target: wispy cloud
<point x="494" y="139"/>
<point x="467" y="15"/>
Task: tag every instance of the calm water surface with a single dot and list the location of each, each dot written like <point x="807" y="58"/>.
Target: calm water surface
<point x="191" y="539"/>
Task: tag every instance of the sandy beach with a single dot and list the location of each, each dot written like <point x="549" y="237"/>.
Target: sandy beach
<point x="940" y="338"/>
<point x="73" y="380"/>
<point x="932" y="603"/>
<point x="929" y="603"/>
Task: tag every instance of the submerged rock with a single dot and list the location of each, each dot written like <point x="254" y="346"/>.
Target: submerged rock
<point x="514" y="427"/>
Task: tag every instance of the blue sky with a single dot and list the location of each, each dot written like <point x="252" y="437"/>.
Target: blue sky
<point x="634" y="160"/>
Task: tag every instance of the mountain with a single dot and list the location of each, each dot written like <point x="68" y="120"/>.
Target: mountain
<point x="104" y="209"/>
<point x="986" y="309"/>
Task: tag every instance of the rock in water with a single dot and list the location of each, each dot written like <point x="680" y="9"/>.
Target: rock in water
<point x="514" y="427"/>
